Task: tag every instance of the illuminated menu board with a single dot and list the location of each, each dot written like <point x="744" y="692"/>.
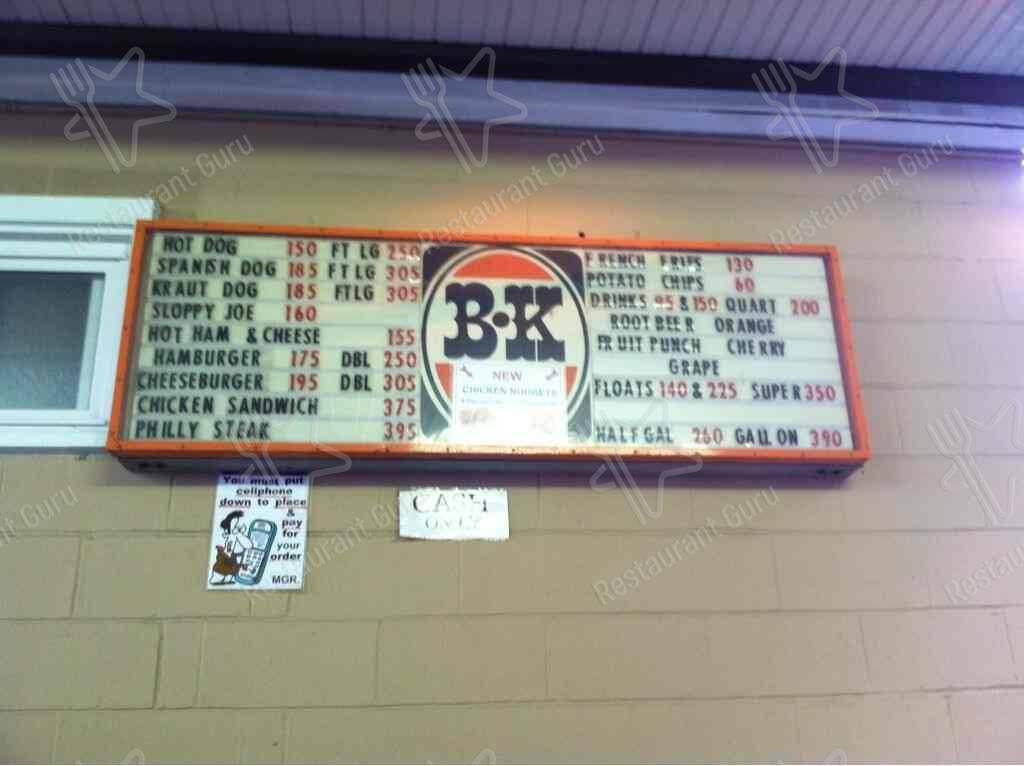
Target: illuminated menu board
<point x="306" y="342"/>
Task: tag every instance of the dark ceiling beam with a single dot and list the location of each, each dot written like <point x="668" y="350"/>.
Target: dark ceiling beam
<point x="546" y="65"/>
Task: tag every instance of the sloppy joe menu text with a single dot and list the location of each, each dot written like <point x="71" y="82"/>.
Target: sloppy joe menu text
<point x="271" y="338"/>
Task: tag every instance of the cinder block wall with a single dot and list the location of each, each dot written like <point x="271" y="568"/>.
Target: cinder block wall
<point x="883" y="617"/>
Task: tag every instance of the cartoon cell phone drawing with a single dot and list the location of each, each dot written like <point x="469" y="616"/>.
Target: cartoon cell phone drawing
<point x="262" y="533"/>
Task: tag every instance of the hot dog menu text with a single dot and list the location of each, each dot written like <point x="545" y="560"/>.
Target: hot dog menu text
<point x="292" y="339"/>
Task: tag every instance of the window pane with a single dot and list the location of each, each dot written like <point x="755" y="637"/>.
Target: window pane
<point x="48" y="324"/>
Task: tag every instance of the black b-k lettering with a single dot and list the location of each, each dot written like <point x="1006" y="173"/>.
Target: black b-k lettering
<point x="520" y="297"/>
<point x="521" y="347"/>
<point x="462" y="344"/>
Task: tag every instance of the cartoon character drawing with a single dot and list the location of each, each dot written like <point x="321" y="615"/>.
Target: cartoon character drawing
<point x="230" y="555"/>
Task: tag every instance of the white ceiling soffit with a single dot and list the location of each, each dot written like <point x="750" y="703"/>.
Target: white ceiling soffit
<point x="946" y="35"/>
<point x="817" y="122"/>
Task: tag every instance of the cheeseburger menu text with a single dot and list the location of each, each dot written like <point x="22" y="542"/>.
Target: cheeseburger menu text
<point x="242" y="337"/>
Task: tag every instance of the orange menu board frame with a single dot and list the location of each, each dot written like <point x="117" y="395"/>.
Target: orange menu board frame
<point x="161" y="452"/>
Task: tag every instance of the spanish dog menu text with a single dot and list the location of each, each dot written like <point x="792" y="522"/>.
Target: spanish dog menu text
<point x="313" y="340"/>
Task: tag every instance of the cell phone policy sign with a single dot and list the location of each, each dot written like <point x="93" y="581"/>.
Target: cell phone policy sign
<point x="258" y="540"/>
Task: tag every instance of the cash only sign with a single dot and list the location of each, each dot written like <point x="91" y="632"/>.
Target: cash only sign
<point x="302" y="343"/>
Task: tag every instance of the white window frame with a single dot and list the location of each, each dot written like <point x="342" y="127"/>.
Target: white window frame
<point x="74" y="235"/>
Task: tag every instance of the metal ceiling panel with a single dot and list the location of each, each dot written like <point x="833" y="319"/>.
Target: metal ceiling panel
<point x="153" y="13"/>
<point x="939" y="17"/>
<point x="1002" y="37"/>
<point x="662" y="26"/>
<point x="130" y="15"/>
<point x="251" y="15"/>
<point x="50" y="11"/>
<point x="632" y="25"/>
<point x="201" y="14"/>
<point x="865" y="27"/>
<point x="84" y="12"/>
<point x="174" y="14"/>
<point x="327" y="18"/>
<point x="472" y="18"/>
<point x="521" y="17"/>
<point x="618" y="19"/>
<point x="751" y="30"/>
<point x="791" y="30"/>
<point x="447" y="19"/>
<point x="985" y="36"/>
<point x="830" y="28"/>
<point x="592" y="23"/>
<point x="542" y="27"/>
<point x="300" y="18"/>
<point x="421" y="13"/>
<point x="815" y="40"/>
<point x="496" y="22"/>
<point x="975" y="26"/>
<point x="225" y="13"/>
<point x="897" y="21"/>
<point x="563" y="32"/>
<point x="351" y="17"/>
<point x="268" y="92"/>
<point x="276" y="16"/>
<point x="735" y="17"/>
<point x="706" y="26"/>
<point x="27" y="11"/>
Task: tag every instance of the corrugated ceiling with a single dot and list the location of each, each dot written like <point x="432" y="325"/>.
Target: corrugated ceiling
<point x="968" y="36"/>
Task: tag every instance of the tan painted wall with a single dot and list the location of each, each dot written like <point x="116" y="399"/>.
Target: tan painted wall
<point x="837" y="618"/>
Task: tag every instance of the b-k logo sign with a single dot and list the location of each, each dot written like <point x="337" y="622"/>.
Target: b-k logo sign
<point x="503" y="305"/>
